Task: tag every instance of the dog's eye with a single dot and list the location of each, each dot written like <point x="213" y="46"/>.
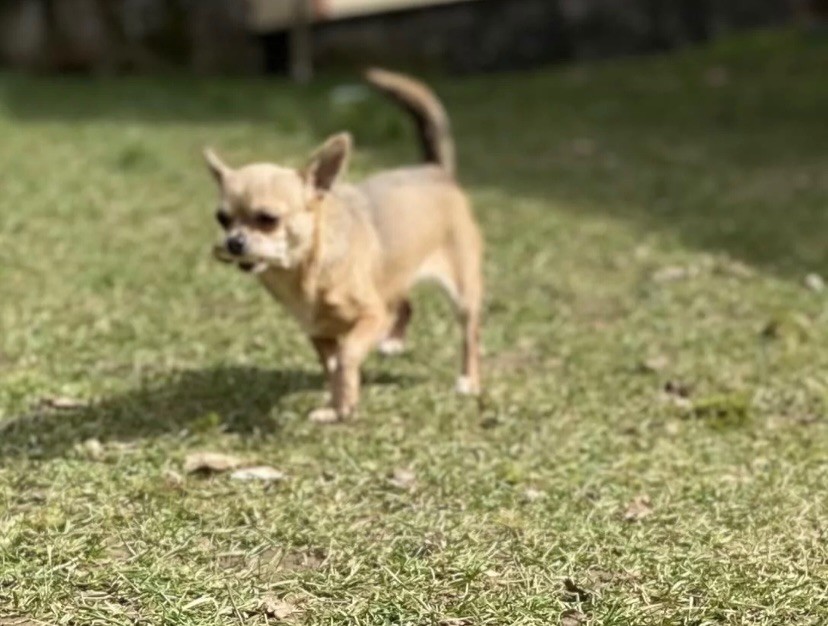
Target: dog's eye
<point x="265" y="221"/>
<point x="223" y="219"/>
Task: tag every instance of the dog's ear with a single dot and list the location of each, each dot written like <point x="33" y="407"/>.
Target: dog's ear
<point x="329" y="162"/>
<point x="217" y="167"/>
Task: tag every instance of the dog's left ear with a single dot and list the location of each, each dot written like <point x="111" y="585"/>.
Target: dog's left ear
<point x="216" y="166"/>
<point x="329" y="162"/>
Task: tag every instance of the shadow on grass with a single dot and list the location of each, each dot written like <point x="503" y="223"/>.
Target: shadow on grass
<point x="243" y="400"/>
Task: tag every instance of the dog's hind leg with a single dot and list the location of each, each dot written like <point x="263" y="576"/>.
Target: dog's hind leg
<point x="458" y="272"/>
<point x="394" y="343"/>
<point x="466" y="262"/>
<point x="468" y="313"/>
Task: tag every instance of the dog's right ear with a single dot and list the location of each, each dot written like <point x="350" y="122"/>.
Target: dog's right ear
<point x="329" y="162"/>
<point x="217" y="167"/>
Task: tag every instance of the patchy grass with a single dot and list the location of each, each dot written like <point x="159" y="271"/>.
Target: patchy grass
<point x="652" y="445"/>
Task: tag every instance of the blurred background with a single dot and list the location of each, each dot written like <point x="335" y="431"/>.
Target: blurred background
<point x="295" y="36"/>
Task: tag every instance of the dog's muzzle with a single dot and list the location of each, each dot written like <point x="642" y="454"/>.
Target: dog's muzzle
<point x="234" y="250"/>
<point x="236" y="245"/>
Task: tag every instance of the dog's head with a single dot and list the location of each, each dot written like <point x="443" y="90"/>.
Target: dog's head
<point x="268" y="213"/>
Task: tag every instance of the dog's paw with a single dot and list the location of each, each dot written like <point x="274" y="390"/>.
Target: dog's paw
<point x="467" y="387"/>
<point x="329" y="415"/>
<point x="324" y="415"/>
<point x="391" y="346"/>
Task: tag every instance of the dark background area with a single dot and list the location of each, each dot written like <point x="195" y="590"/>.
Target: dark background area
<point x="218" y="36"/>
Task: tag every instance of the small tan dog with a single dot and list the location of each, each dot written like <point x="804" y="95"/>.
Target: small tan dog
<point x="342" y="258"/>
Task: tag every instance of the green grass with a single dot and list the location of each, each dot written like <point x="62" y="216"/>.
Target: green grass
<point x="648" y="333"/>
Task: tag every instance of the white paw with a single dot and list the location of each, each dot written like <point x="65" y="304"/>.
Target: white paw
<point x="324" y="415"/>
<point x="391" y="346"/>
<point x="467" y="387"/>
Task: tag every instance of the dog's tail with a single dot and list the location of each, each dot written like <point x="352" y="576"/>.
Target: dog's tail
<point x="433" y="126"/>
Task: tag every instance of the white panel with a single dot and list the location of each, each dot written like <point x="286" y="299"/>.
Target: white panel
<point x="274" y="14"/>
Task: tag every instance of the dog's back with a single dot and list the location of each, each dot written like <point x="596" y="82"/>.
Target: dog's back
<point x="423" y="199"/>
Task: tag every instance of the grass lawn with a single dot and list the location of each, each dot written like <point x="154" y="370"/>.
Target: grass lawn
<point x="652" y="447"/>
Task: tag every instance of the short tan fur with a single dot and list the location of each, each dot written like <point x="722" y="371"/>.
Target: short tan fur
<point x="342" y="258"/>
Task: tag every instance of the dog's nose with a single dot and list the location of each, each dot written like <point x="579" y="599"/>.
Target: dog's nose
<point x="235" y="245"/>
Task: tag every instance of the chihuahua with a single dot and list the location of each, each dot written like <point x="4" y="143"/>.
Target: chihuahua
<point x="343" y="258"/>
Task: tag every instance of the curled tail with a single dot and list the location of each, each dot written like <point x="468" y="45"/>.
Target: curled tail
<point x="433" y="126"/>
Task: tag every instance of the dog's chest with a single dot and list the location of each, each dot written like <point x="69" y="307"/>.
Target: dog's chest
<point x="321" y="313"/>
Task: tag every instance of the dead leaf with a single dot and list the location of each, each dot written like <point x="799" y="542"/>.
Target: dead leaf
<point x="63" y="403"/>
<point x="673" y="273"/>
<point x="403" y="479"/>
<point x="572" y="618"/>
<point x="673" y="429"/>
<point x="277" y="609"/>
<point x="172" y="479"/>
<point x="815" y="283"/>
<point x="574" y="592"/>
<point x="325" y="415"/>
<point x="639" y="508"/>
<point x="209" y="462"/>
<point x="432" y="544"/>
<point x="731" y="267"/>
<point x="679" y="402"/>
<point x="301" y="560"/>
<point x="91" y="449"/>
<point x="601" y="577"/>
<point x="455" y="621"/>
<point x="532" y="495"/>
<point x="655" y="363"/>
<point x="261" y="472"/>
<point x="677" y="393"/>
<point x="677" y="388"/>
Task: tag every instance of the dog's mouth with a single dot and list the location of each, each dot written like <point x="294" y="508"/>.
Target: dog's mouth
<point x="247" y="266"/>
<point x="252" y="267"/>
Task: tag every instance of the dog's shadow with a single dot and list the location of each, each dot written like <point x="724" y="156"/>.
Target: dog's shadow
<point x="235" y="399"/>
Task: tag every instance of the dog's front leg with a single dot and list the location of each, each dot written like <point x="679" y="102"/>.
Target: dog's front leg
<point x="326" y="351"/>
<point x="353" y="348"/>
